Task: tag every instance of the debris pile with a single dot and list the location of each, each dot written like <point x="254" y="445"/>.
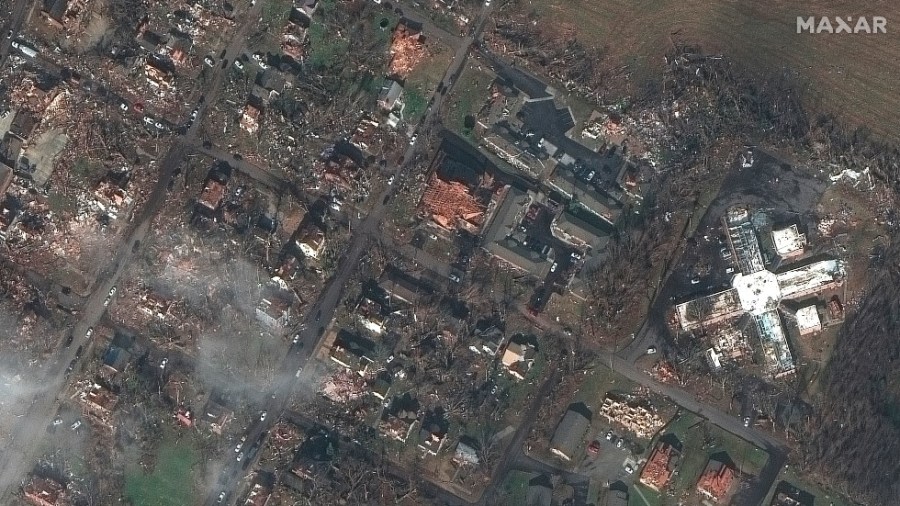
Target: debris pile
<point x="407" y="51"/>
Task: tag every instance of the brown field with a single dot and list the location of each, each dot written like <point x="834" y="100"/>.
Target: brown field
<point x="851" y="75"/>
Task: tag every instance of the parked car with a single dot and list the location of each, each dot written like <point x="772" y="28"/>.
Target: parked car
<point x="238" y="64"/>
<point x="454" y="277"/>
<point x="89" y="333"/>
<point x="209" y="62"/>
<point x="651" y="350"/>
<point x="629" y="469"/>
<point x="163" y="363"/>
<point x="594" y="447"/>
<point x="262" y="416"/>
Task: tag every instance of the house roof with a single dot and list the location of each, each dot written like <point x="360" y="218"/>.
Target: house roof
<point x="402" y="286"/>
<point x="570" y="431"/>
<point x="584" y="227"/>
<point x="716" y="479"/>
<point x="659" y="467"/>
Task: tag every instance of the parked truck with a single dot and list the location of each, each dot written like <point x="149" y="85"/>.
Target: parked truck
<point x="25" y="49"/>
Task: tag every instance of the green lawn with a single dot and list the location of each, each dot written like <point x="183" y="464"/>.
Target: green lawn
<point x="171" y="481"/>
<point x="822" y="496"/>
<point x="701" y="439"/>
<point x="641" y="495"/>
<point x="469" y="94"/>
<point x="515" y="488"/>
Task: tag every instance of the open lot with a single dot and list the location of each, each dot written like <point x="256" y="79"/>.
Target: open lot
<point x="821" y="495"/>
<point x="171" y="479"/>
<point x="841" y="73"/>
<point x="700" y="440"/>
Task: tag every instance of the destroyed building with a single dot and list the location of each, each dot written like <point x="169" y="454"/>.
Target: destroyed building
<point x="452" y="205"/>
<point x="518" y="357"/>
<point x="44" y="492"/>
<point x="759" y="292"/>
<point x="407" y="50"/>
<point x="660" y="466"/>
<point x="433" y="433"/>
<point x="399" y="418"/>
<point x="98" y="403"/>
<point x="310" y="240"/>
<point x="634" y="417"/>
<point x="352" y="351"/>
<point x="717" y="480"/>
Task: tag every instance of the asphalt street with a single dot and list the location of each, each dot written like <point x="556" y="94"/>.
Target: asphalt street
<point x="19" y="448"/>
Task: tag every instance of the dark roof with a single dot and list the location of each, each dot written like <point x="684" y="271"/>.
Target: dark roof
<point x="401" y="285"/>
<point x="593" y="230"/>
<point x="354" y="343"/>
<point x="540" y="491"/>
<point x="571" y="429"/>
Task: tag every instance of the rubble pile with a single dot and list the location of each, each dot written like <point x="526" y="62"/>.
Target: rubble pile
<point x="344" y="386"/>
<point x="641" y="420"/>
<point x="407" y="51"/>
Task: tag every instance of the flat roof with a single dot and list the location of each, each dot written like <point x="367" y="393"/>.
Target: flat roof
<point x="759" y="292"/>
<point x="788" y="240"/>
<point x="808" y="319"/>
<point x="775" y="346"/>
<point x="810" y="278"/>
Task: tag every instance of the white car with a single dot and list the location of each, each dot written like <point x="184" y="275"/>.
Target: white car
<point x="296" y="339"/>
<point x="651" y="350"/>
<point x="76" y="425"/>
<point x="239" y="65"/>
<point x="629" y="469"/>
<point x="413" y="139"/>
<point x="240" y="445"/>
<point x="262" y="416"/>
<point x="390" y="180"/>
<point x="163" y="363"/>
<point x="240" y="456"/>
<point x="209" y="62"/>
<point x="89" y="333"/>
<point x="554" y="266"/>
<point x="149" y="120"/>
<point x="299" y="371"/>
<point x="109" y="297"/>
<point x="123" y="106"/>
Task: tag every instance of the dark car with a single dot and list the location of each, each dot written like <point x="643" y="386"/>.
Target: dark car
<point x="69" y="340"/>
<point x="78" y="352"/>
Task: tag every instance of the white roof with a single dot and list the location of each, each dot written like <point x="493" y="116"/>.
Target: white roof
<point x="788" y="240"/>
<point x="808" y="318"/>
<point x="810" y="278"/>
<point x="759" y="292"/>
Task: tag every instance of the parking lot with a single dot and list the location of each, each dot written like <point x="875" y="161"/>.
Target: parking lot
<point x="610" y="461"/>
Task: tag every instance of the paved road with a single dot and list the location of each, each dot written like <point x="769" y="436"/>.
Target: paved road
<point x="19" y="448"/>
<point x="312" y="327"/>
<point x="18" y="12"/>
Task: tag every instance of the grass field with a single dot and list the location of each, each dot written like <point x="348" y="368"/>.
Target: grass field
<point x="171" y="481"/>
<point x="515" y="487"/>
<point x="469" y="95"/>
<point x="700" y="440"/>
<point x="843" y="73"/>
<point x="821" y="495"/>
<point x="423" y="80"/>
